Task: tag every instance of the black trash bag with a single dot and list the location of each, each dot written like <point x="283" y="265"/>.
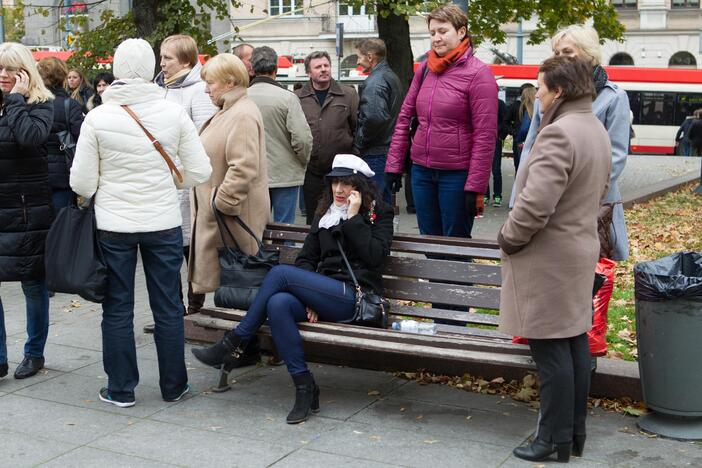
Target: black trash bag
<point x="73" y="258"/>
<point x="676" y="276"/>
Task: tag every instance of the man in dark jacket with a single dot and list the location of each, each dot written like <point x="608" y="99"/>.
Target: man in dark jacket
<point x="331" y="110"/>
<point x="380" y="103"/>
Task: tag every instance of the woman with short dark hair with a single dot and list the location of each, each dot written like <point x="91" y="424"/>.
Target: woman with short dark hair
<point x="550" y="248"/>
<point x="100" y="83"/>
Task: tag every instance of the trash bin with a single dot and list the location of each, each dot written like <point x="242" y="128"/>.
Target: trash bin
<point x="669" y="336"/>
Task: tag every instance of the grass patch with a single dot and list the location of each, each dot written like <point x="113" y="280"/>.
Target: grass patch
<point x="668" y="224"/>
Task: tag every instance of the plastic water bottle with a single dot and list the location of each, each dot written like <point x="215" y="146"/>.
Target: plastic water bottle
<point x="427" y="328"/>
<point x="396" y="224"/>
<point x="409" y="326"/>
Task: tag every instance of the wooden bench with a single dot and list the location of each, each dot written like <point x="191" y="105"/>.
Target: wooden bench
<point x="419" y="287"/>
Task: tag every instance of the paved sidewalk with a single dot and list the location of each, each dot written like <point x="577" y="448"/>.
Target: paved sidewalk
<point x="367" y="418"/>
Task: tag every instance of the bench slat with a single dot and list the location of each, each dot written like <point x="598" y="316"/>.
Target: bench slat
<point x="451" y="341"/>
<point x="455" y="315"/>
<point x="451" y="294"/>
<point x="429" y="269"/>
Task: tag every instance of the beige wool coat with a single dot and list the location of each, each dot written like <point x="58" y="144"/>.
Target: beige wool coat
<point x="235" y="143"/>
<point x="549" y="242"/>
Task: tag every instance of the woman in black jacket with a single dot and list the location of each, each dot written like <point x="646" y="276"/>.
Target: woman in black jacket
<point x="68" y="115"/>
<point x="25" y="196"/>
<point x="319" y="286"/>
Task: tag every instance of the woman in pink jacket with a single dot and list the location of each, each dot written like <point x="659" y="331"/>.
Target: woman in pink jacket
<point x="453" y="98"/>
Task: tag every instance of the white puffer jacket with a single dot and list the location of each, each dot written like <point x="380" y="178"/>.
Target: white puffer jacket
<point x="189" y="93"/>
<point x="133" y="187"/>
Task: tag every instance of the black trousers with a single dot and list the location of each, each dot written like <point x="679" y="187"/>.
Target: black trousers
<point x="312" y="190"/>
<point x="564" y="376"/>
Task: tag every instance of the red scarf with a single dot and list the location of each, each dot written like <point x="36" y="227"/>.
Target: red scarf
<point x="440" y="64"/>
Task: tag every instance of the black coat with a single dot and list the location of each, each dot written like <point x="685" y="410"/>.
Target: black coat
<point x="365" y="243"/>
<point x="58" y="168"/>
<point x="380" y="101"/>
<point x="25" y="195"/>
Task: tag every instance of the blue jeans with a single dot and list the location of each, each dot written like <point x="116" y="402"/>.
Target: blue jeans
<point x="377" y="164"/>
<point x="283" y="204"/>
<point x="440" y="202"/>
<point x="162" y="257"/>
<point x="37" y="299"/>
<point x="285" y="293"/>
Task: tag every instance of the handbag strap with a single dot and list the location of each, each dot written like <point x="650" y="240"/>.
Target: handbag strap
<point x="66" y="112"/>
<point x="156" y="143"/>
<point x="348" y="265"/>
<point x="224" y="228"/>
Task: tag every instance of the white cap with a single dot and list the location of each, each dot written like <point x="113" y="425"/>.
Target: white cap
<point x="348" y="164"/>
<point x="134" y="58"/>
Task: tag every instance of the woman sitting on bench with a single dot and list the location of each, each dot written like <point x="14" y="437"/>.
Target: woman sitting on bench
<point x="319" y="286"/>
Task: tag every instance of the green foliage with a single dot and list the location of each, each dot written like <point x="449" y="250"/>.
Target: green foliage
<point x="99" y="43"/>
<point x="14" y="21"/>
<point x="487" y="17"/>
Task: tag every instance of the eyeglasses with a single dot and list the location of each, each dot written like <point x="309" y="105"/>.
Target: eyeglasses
<point x="9" y="69"/>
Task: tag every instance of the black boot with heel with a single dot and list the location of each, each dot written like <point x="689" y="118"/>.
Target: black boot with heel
<point x="306" y="398"/>
<point x="541" y="451"/>
<point x="228" y="353"/>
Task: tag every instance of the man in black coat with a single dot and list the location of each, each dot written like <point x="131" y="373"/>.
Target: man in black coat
<point x="25" y="200"/>
<point x="380" y="101"/>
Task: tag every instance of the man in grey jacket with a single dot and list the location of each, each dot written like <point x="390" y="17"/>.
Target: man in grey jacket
<point x="380" y="101"/>
<point x="288" y="136"/>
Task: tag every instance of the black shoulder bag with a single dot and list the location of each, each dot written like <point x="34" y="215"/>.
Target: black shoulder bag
<point x="241" y="274"/>
<point x="371" y="310"/>
<point x="67" y="145"/>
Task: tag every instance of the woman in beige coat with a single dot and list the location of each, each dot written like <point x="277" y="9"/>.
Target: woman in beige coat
<point x="550" y="248"/>
<point x="235" y="142"/>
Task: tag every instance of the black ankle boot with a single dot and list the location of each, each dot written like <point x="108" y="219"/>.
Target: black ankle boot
<point x="540" y="451"/>
<point x="578" y="445"/>
<point x="306" y="398"/>
<point x="228" y="353"/>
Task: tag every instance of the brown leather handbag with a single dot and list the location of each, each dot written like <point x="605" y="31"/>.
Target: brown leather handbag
<point x="604" y="224"/>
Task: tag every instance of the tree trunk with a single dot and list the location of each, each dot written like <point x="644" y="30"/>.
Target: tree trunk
<point x="394" y="30"/>
<point x="146" y="18"/>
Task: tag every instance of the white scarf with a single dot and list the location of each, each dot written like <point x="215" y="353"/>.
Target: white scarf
<point x="333" y="216"/>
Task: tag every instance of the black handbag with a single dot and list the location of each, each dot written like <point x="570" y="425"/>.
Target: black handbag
<point x="67" y="144"/>
<point x="73" y="259"/>
<point x="241" y="274"/>
<point x="371" y="310"/>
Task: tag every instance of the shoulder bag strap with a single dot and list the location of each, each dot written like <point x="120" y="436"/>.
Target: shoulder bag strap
<point x="348" y="265"/>
<point x="155" y="142"/>
<point x="223" y="227"/>
<point x="66" y="112"/>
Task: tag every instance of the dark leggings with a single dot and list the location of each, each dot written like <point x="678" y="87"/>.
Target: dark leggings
<point x="284" y="295"/>
<point x="564" y="376"/>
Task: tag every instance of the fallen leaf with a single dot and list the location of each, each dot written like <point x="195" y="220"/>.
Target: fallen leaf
<point x="373" y="393"/>
<point x="420" y="417"/>
<point x="403" y="409"/>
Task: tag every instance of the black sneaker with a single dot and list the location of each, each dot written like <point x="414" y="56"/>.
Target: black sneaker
<point x="3" y="369"/>
<point x="105" y="396"/>
<point x="182" y="394"/>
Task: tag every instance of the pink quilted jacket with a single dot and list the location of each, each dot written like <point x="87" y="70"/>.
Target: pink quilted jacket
<point x="457" y="113"/>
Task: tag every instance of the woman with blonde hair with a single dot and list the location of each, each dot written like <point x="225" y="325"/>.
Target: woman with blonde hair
<point x="611" y="106"/>
<point x="78" y="88"/>
<point x="25" y="196"/>
<point x="235" y="143"/>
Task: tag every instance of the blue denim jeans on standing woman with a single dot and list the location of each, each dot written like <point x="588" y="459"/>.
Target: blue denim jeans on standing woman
<point x="440" y="202"/>
<point x="377" y="164"/>
<point x="37" y="298"/>
<point x="285" y="293"/>
<point x="162" y="257"/>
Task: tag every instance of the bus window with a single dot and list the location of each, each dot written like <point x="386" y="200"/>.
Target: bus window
<point x="686" y="105"/>
<point x="657" y="108"/>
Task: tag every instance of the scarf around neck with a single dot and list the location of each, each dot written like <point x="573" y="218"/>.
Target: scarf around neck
<point x="333" y="216"/>
<point x="599" y="76"/>
<point x="183" y="73"/>
<point x="440" y="64"/>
